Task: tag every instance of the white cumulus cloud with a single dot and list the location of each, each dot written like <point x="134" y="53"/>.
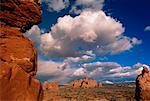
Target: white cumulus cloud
<point x="50" y="70"/>
<point x="34" y="34"/>
<point x="112" y="70"/>
<point x="88" y="31"/>
<point x="79" y="59"/>
<point x="56" y="5"/>
<point x="63" y="72"/>
<point x="147" y="28"/>
<point x="82" y="5"/>
<point x="80" y="72"/>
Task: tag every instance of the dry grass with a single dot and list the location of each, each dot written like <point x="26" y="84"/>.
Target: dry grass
<point x="119" y="92"/>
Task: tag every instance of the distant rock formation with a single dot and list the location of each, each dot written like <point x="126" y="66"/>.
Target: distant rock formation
<point x="53" y="85"/>
<point x="18" y="57"/>
<point x="143" y="85"/>
<point x="85" y="83"/>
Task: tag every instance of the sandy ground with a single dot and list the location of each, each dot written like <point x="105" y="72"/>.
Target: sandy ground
<point x="117" y="92"/>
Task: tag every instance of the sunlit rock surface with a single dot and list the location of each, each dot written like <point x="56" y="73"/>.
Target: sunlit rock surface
<point x="85" y="83"/>
<point x="143" y="86"/>
<point x="18" y="57"/>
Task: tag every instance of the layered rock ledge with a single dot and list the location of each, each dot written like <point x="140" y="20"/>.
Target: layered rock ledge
<point x="18" y="57"/>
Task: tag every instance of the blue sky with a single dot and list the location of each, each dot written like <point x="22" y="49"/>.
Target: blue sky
<point x="135" y="17"/>
<point x="109" y="38"/>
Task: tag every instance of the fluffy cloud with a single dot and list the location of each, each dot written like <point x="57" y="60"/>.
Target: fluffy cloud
<point x="81" y="5"/>
<point x="79" y="59"/>
<point x="108" y="82"/>
<point x="147" y="28"/>
<point x="88" y="32"/>
<point x="56" y="5"/>
<point x="34" y="34"/>
<point x="90" y="53"/>
<point x="80" y="72"/>
<point x="112" y="70"/>
<point x="80" y="38"/>
<point x="92" y="31"/>
<point x="94" y="65"/>
<point x="50" y="70"/>
<point x="108" y="70"/>
<point x="102" y="71"/>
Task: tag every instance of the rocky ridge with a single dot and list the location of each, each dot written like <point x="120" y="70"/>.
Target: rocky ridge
<point x="18" y="57"/>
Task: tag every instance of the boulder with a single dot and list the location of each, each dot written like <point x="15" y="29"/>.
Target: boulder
<point x="18" y="57"/>
<point x="143" y="85"/>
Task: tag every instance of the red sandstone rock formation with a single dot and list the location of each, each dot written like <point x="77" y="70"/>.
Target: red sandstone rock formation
<point x="20" y="14"/>
<point x="143" y="86"/>
<point x="85" y="83"/>
<point x="18" y="57"/>
<point x="53" y="85"/>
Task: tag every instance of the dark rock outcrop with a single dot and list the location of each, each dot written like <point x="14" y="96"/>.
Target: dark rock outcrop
<point x="18" y="57"/>
<point x="143" y="86"/>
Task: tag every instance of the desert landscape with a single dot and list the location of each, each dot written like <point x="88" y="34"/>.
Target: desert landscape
<point x="84" y="47"/>
<point x="108" y="92"/>
<point x="90" y="90"/>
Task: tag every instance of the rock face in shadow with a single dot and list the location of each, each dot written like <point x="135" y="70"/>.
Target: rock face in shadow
<point x="85" y="83"/>
<point x="53" y="85"/>
<point x="18" y="57"/>
<point x="143" y="86"/>
<point x="21" y="14"/>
